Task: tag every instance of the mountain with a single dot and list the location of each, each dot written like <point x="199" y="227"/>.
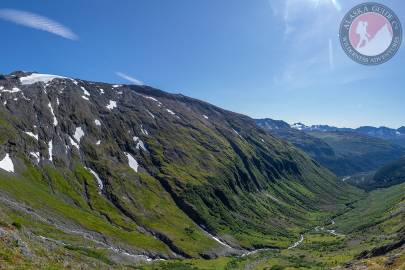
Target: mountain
<point x="99" y="175"/>
<point x="388" y="175"/>
<point x="396" y="136"/>
<point x="322" y="128"/>
<point x="343" y="151"/>
<point x="314" y="147"/>
<point x="270" y="124"/>
<point x="358" y="152"/>
<point x="391" y="174"/>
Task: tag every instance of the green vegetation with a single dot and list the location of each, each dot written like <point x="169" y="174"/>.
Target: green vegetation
<point x="222" y="174"/>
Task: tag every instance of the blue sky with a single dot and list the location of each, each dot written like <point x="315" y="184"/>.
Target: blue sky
<point x="265" y="58"/>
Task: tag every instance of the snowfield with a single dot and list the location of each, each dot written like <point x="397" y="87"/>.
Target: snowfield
<point x="79" y="133"/>
<point x="36" y="77"/>
<point x="7" y="164"/>
<point x="111" y="105"/>
<point x="132" y="162"/>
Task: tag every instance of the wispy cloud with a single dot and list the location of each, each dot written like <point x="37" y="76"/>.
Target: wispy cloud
<point x="129" y="78"/>
<point x="310" y="37"/>
<point x="36" y="21"/>
<point x="337" y="5"/>
<point x="331" y="55"/>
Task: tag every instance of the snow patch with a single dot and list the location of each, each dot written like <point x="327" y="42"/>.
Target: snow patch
<point x="154" y="99"/>
<point x="79" y="133"/>
<point x="101" y="91"/>
<point x="98" y="142"/>
<point x="55" y="121"/>
<point x="24" y="97"/>
<point x="139" y="144"/>
<point x="132" y="162"/>
<point x="14" y="90"/>
<point x="86" y="93"/>
<point x="170" y="111"/>
<point x="50" y="147"/>
<point x="219" y="241"/>
<point x="151" y="114"/>
<point x="99" y="182"/>
<point x="86" y="98"/>
<point x="206" y="117"/>
<point x="144" y="131"/>
<point x="29" y="133"/>
<point x="346" y="178"/>
<point x="36" y="77"/>
<point x="97" y="122"/>
<point x="111" y="105"/>
<point x="7" y="164"/>
<point x="35" y="155"/>
<point x="72" y="142"/>
<point x="216" y="238"/>
<point x="237" y="133"/>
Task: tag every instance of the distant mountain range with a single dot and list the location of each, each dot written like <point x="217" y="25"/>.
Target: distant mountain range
<point x="394" y="135"/>
<point x="344" y="151"/>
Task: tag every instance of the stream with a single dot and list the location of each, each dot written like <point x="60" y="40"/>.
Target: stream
<point x="142" y="257"/>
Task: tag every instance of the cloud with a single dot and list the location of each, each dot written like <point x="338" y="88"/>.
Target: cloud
<point x="337" y="5"/>
<point x="38" y="22"/>
<point x="310" y="38"/>
<point x="129" y="78"/>
<point x="331" y="55"/>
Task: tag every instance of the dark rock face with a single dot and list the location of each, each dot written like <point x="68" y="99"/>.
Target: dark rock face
<point x="383" y="250"/>
<point x="143" y="170"/>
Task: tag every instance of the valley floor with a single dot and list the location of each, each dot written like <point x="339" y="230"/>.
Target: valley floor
<point x="375" y="221"/>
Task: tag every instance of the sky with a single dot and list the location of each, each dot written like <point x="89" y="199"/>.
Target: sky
<point x="280" y="59"/>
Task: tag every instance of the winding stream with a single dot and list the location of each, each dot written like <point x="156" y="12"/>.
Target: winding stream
<point x="142" y="257"/>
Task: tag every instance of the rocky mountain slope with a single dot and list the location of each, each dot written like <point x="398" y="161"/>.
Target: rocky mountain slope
<point x="345" y="152"/>
<point x="100" y="174"/>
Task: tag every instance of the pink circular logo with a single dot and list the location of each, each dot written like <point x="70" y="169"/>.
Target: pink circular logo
<point x="371" y="33"/>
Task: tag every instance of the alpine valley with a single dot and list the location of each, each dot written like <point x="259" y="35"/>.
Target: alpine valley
<point x="102" y="176"/>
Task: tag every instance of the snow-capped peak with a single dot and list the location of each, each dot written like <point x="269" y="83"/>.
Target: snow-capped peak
<point x="37" y="77"/>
